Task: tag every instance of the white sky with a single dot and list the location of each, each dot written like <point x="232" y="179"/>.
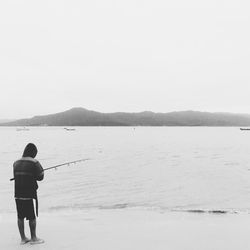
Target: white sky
<point x="130" y="55"/>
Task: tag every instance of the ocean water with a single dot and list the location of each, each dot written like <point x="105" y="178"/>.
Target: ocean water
<point x="195" y="169"/>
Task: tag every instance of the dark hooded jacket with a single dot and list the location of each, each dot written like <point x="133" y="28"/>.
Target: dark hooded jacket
<point x="27" y="171"/>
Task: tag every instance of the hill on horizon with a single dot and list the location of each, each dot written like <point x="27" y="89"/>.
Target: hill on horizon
<point x="84" y="117"/>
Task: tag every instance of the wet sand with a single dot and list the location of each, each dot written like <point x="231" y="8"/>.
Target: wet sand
<point x="131" y="229"/>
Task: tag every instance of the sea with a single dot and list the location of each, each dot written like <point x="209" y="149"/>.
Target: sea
<point x="166" y="169"/>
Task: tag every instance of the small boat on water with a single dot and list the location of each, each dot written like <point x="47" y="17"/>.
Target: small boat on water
<point x="22" y="129"/>
<point x="70" y="129"/>
<point x="245" y="129"/>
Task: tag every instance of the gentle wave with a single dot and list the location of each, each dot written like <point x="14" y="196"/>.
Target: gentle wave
<point x="206" y="211"/>
<point x="137" y="206"/>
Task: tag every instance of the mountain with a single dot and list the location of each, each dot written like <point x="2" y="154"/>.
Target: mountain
<point x="84" y="117"/>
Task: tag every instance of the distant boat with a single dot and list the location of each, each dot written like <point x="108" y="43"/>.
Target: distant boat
<point x="244" y="128"/>
<point x="22" y="129"/>
<point x="70" y="129"/>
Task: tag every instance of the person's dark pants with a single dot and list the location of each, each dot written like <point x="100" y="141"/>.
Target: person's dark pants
<point x="25" y="209"/>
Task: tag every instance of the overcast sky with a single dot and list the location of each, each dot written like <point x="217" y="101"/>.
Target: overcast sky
<point x="124" y="55"/>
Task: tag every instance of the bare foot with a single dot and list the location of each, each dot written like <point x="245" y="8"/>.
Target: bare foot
<point x="36" y="241"/>
<point x="24" y="241"/>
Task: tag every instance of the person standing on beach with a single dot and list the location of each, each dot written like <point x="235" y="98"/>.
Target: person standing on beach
<point x="27" y="171"/>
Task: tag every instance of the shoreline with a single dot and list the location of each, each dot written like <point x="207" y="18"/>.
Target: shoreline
<point x="132" y="229"/>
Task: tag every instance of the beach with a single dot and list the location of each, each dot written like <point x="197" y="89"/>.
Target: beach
<point x="153" y="189"/>
<point x="128" y="122"/>
<point x="132" y="229"/>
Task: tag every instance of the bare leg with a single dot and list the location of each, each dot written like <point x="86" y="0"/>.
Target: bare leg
<point x="34" y="239"/>
<point x="32" y="224"/>
<point x="20" y="223"/>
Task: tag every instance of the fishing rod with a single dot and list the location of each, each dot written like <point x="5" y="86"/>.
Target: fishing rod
<point x="62" y="164"/>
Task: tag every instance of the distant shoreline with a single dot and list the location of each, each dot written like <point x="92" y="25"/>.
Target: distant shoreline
<point x="84" y="117"/>
<point x="128" y="126"/>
